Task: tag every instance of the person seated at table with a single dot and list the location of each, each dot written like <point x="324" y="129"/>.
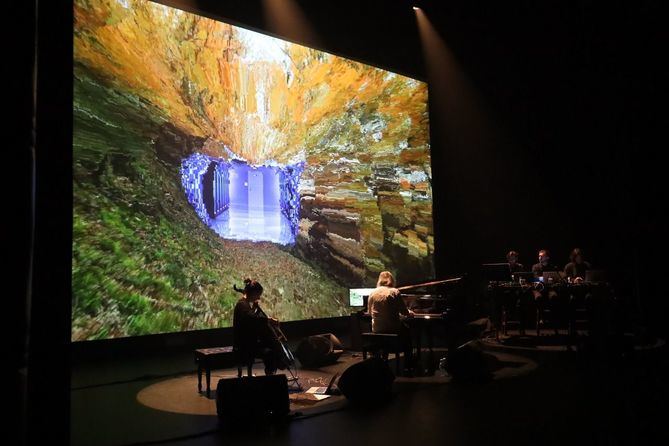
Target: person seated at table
<point x="544" y="264"/>
<point x="511" y="298"/>
<point x="548" y="297"/>
<point x="514" y="265"/>
<point x="578" y="296"/>
<point x="577" y="266"/>
<point x="386" y="307"/>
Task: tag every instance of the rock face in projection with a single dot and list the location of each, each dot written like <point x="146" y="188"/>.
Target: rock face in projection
<point x="360" y="219"/>
<point x="155" y="85"/>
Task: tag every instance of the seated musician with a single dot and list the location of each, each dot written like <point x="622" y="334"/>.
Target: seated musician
<point x="575" y="270"/>
<point x="548" y="297"/>
<point x="544" y="264"/>
<point x="385" y="305"/>
<point x="575" y="273"/>
<point x="251" y="333"/>
<point x="510" y="298"/>
<point x="514" y="265"/>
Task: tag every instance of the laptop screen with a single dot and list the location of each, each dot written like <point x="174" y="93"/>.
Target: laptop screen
<point x="552" y="276"/>
<point x="595" y="276"/>
<point x="356" y="297"/>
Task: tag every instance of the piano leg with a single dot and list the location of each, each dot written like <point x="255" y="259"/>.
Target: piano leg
<point x="430" y="358"/>
<point x="418" y="345"/>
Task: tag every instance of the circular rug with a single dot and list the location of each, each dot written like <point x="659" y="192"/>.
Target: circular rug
<point x="180" y="394"/>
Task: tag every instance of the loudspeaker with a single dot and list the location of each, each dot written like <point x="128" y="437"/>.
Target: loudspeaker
<point x="319" y="350"/>
<point x="470" y="362"/>
<point x="367" y="382"/>
<point x="252" y="397"/>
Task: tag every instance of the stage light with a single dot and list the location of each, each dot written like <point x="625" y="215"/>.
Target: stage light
<point x="286" y="18"/>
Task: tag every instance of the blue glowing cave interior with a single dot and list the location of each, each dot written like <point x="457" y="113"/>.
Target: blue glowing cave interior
<point x="244" y="202"/>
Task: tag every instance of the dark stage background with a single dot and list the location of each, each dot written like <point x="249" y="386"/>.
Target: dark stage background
<point x="563" y="150"/>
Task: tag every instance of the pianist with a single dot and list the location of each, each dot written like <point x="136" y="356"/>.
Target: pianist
<point x="386" y="306"/>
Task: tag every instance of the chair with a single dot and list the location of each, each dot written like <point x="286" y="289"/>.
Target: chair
<point x="506" y="320"/>
<point x="541" y="316"/>
<point x="244" y="361"/>
<point x="383" y="344"/>
<point x="249" y="369"/>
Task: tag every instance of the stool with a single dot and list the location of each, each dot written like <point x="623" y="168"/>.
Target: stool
<point x="382" y="342"/>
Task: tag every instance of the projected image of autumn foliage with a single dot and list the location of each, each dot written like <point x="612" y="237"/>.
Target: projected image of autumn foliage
<point x="205" y="153"/>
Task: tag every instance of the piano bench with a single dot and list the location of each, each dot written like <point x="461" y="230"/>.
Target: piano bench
<point x="209" y="358"/>
<point x="385" y="343"/>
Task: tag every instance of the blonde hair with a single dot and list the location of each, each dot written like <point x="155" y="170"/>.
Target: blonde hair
<point x="386" y="279"/>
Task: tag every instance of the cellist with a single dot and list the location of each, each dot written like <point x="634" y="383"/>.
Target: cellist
<point x="252" y="335"/>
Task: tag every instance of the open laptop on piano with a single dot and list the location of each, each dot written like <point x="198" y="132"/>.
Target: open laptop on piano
<point x="357" y="297"/>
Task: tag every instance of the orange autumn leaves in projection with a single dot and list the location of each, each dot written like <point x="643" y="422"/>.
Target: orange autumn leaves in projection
<point x="264" y="98"/>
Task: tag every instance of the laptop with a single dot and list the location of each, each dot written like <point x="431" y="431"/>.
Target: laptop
<point x="357" y="297"/>
<point x="552" y="277"/>
<point x="323" y="390"/>
<point x="496" y="272"/>
<point x="595" y="275"/>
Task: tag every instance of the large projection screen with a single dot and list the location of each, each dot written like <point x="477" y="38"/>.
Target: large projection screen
<point x="205" y="153"/>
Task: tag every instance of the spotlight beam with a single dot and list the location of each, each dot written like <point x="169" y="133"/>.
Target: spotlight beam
<point x="285" y="18"/>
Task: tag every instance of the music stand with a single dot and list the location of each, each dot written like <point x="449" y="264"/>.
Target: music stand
<point x="496" y="272"/>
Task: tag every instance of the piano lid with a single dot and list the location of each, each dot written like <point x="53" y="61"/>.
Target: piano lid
<point x="435" y="283"/>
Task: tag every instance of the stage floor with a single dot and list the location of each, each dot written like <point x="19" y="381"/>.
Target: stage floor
<point x="550" y="399"/>
<point x="152" y="409"/>
<point x="179" y="394"/>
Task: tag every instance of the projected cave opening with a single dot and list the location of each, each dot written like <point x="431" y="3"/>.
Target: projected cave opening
<point x="240" y="201"/>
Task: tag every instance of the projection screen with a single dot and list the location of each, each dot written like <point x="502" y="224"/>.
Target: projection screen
<point x="205" y="153"/>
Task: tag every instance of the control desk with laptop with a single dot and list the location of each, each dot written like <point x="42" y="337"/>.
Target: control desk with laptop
<point x="509" y="289"/>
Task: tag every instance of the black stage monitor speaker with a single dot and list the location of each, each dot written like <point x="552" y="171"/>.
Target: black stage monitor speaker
<point x="252" y="397"/>
<point x="319" y="350"/>
<point x="367" y="382"/>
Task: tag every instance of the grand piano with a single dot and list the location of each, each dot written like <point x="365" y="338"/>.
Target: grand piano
<point x="438" y="298"/>
<point x="436" y="306"/>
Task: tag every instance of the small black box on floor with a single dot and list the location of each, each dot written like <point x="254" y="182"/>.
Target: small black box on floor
<point x="368" y="382"/>
<point x="252" y="397"/>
